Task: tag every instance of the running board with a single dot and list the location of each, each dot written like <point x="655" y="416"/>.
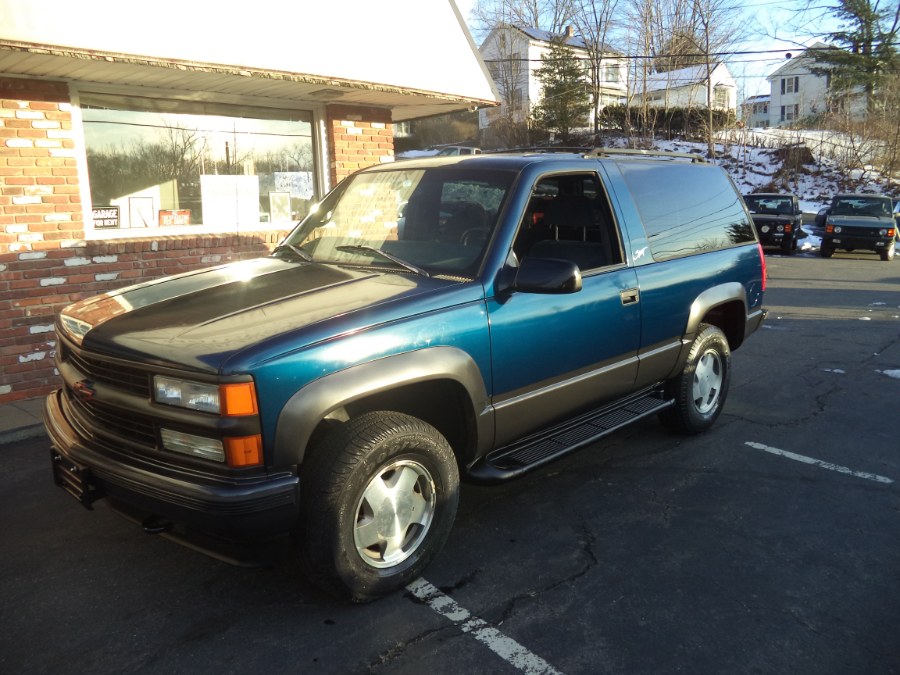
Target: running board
<point x="541" y="448"/>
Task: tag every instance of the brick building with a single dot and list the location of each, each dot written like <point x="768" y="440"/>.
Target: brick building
<point x="181" y="137"/>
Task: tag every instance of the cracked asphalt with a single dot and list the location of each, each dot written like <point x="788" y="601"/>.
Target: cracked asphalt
<point x="647" y="553"/>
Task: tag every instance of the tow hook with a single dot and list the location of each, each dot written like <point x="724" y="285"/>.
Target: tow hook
<point x="156" y="525"/>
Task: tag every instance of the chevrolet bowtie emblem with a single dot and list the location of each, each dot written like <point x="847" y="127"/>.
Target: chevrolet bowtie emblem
<point x="84" y="390"/>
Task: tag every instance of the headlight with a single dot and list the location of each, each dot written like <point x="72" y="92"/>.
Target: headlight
<point x="764" y="228"/>
<point x="882" y="233"/>
<point x="186" y="394"/>
<point x="837" y="229"/>
<point x="780" y="228"/>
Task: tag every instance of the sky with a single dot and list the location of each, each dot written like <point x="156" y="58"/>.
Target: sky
<point x="769" y="27"/>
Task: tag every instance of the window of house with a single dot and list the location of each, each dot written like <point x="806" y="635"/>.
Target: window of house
<point x="790" y="85"/>
<point x="720" y="96"/>
<point x="155" y="163"/>
<point x="612" y="73"/>
<point x="790" y="112"/>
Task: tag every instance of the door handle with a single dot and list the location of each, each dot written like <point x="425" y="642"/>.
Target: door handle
<point x="630" y="296"/>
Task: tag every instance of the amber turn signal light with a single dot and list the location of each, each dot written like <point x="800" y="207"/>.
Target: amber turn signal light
<point x="243" y="450"/>
<point x="238" y="399"/>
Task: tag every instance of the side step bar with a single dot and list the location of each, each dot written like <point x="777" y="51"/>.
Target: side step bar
<point x="545" y="446"/>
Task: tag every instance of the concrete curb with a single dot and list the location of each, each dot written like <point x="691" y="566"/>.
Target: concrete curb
<point x="21" y="419"/>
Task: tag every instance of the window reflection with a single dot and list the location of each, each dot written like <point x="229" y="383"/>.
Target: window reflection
<point x="155" y="163"/>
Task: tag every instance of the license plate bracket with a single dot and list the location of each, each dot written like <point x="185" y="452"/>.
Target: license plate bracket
<point x="74" y="479"/>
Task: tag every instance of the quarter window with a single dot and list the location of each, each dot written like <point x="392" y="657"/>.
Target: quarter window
<point x="687" y="211"/>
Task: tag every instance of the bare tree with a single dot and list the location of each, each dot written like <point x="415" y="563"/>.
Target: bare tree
<point x="548" y="15"/>
<point x="716" y="30"/>
<point x="594" y="21"/>
<point x="510" y="74"/>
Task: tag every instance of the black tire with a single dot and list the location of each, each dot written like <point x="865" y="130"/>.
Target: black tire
<point x="788" y="246"/>
<point x="379" y="498"/>
<point x="888" y="254"/>
<point x="826" y="250"/>
<point x="700" y="390"/>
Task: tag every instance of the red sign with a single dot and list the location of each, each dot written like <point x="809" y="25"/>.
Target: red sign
<point x="174" y="217"/>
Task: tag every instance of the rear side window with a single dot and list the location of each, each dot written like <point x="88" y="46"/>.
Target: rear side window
<point x="687" y="209"/>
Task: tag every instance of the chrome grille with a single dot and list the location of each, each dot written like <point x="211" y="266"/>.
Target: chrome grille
<point x="124" y="427"/>
<point x="115" y="374"/>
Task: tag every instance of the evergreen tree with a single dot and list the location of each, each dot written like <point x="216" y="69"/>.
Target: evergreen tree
<point x="565" y="102"/>
<point x="867" y="51"/>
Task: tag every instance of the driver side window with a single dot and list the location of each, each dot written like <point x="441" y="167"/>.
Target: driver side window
<point x="569" y="218"/>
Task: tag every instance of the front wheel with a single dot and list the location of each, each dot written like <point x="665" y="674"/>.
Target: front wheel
<point x="379" y="498"/>
<point x="887" y="254"/>
<point x="699" y="391"/>
<point x="826" y="250"/>
<point x="788" y="246"/>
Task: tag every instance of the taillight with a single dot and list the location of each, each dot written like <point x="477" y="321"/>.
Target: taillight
<point x="762" y="262"/>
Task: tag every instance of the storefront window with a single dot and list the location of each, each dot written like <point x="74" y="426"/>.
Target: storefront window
<point x="156" y="163"/>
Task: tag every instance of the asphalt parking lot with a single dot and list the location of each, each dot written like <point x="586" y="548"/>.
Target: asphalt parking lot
<point x="770" y="544"/>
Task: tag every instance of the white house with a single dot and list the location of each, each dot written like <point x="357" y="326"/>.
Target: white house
<point x="513" y="56"/>
<point x="688" y="87"/>
<point x="755" y="110"/>
<point x="798" y="92"/>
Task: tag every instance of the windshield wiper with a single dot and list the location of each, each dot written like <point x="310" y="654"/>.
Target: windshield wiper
<point x="296" y="250"/>
<point x="384" y="254"/>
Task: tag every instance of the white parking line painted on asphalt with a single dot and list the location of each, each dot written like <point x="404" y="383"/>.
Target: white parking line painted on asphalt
<point x="506" y="648"/>
<point x="819" y="463"/>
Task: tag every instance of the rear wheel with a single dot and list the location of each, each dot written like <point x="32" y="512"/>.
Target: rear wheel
<point x="699" y="391"/>
<point x="379" y="499"/>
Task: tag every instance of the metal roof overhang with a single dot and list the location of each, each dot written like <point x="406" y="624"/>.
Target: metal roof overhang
<point x="189" y="80"/>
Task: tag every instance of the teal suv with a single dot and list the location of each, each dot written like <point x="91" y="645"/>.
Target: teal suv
<point x="431" y="321"/>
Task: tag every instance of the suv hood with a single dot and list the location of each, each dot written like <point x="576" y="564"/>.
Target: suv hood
<point x="861" y="221"/>
<point x="201" y="319"/>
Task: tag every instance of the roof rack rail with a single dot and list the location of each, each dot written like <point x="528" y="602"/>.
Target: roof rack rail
<point x="579" y="150"/>
<point x="663" y="154"/>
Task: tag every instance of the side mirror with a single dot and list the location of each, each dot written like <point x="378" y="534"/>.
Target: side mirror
<point x="547" y="275"/>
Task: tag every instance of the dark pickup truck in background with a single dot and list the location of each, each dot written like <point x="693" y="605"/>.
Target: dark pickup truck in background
<point x="431" y="319"/>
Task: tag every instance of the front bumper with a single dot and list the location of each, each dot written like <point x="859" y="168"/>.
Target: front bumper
<point x="251" y="508"/>
<point x="851" y="242"/>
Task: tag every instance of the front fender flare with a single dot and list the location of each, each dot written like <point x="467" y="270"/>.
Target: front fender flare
<point x="308" y="406"/>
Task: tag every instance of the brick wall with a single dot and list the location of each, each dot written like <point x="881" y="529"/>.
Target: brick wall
<point x="357" y="138"/>
<point x="45" y="261"/>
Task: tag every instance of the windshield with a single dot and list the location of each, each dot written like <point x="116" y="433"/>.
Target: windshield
<point x="770" y="205"/>
<point x="861" y="206"/>
<point x="434" y="221"/>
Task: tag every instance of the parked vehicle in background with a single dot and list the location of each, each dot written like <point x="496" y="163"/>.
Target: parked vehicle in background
<point x="859" y="221"/>
<point x="473" y="317"/>
<point x="439" y="151"/>
<point x="777" y="218"/>
<point x="454" y="150"/>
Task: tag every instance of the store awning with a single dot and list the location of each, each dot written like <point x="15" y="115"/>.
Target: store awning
<point x="413" y="56"/>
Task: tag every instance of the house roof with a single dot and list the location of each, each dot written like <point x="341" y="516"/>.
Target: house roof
<point x="576" y="41"/>
<point x="279" y="54"/>
<point x="798" y="62"/>
<point x="682" y="77"/>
